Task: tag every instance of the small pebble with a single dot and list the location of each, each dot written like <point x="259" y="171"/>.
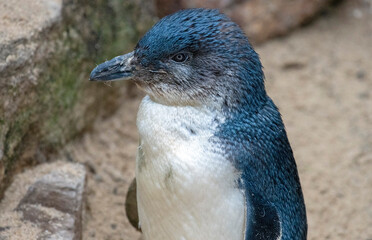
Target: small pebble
<point x="113" y="226"/>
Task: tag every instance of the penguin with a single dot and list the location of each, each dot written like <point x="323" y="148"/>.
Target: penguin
<point x="214" y="160"/>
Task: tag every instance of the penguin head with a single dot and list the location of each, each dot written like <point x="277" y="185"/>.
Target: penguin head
<point x="192" y="57"/>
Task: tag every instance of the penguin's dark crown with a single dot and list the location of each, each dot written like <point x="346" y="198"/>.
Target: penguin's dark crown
<point x="197" y="56"/>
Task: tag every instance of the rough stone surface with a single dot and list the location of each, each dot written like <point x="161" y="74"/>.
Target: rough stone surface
<point x="52" y="206"/>
<point x="261" y="19"/>
<point x="47" y="49"/>
<point x="55" y="204"/>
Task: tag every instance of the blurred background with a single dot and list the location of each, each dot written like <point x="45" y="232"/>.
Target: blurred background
<point x="58" y="131"/>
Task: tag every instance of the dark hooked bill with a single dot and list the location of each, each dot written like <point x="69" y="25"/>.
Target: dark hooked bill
<point x="118" y="68"/>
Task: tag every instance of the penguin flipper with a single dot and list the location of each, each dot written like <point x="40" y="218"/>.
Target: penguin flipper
<point x="262" y="219"/>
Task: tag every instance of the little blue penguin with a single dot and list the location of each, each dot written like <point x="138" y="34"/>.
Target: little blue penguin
<point x="214" y="161"/>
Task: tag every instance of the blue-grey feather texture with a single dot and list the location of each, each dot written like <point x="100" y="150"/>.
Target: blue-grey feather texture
<point x="253" y="135"/>
<point x="222" y="62"/>
<point x="224" y="67"/>
<point x="255" y="140"/>
<point x="218" y="86"/>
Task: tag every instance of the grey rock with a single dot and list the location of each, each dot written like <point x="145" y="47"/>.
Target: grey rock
<point x="54" y="203"/>
<point x="45" y="203"/>
<point x="47" y="49"/>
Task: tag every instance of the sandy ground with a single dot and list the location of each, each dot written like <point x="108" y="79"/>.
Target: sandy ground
<point x="321" y="79"/>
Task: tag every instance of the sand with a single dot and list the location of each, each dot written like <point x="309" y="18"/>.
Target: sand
<point x="321" y="79"/>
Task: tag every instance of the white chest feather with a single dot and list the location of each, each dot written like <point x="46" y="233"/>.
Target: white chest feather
<point x="185" y="187"/>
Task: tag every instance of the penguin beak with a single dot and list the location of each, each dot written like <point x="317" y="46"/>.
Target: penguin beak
<point x="118" y="68"/>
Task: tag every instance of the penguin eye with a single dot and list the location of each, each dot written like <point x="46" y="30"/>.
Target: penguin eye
<point x="180" y="57"/>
